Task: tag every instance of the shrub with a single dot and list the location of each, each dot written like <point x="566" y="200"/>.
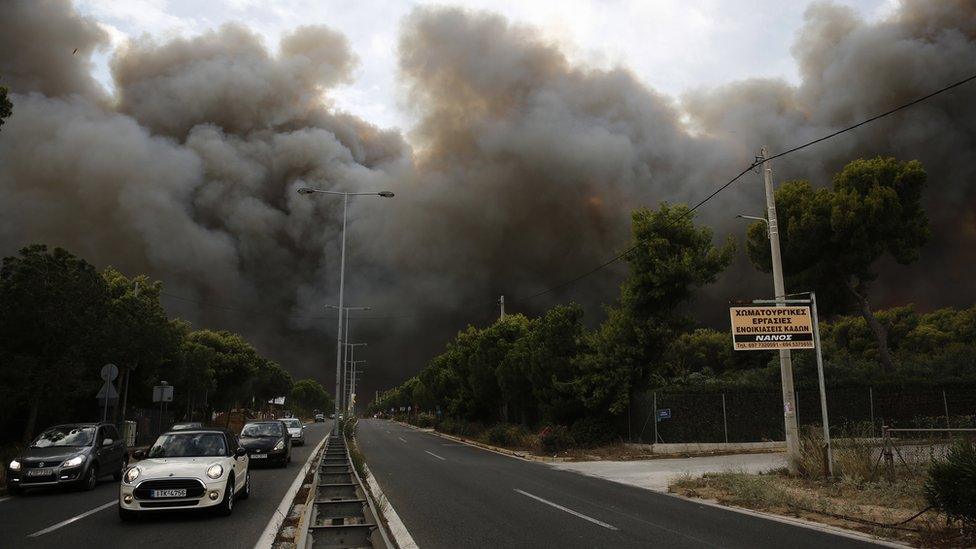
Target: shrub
<point x="555" y="438"/>
<point x="448" y="425"/>
<point x="951" y="486"/>
<point x="589" y="431"/>
<point x="425" y="420"/>
<point x="505" y="434"/>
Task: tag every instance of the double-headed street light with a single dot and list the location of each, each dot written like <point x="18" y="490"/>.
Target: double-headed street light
<point x="342" y="279"/>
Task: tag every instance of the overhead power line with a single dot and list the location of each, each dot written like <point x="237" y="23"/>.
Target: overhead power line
<point x="624" y="253"/>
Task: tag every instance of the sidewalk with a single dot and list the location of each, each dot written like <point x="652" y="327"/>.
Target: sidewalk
<point x="656" y="474"/>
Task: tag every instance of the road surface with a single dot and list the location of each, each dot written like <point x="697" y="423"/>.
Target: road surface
<point x="452" y="495"/>
<point x="65" y="518"/>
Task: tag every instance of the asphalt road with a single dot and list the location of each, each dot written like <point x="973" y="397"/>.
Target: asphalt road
<point x="94" y="521"/>
<point x="453" y="495"/>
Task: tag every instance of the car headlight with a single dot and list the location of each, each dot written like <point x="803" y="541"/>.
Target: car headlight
<point x="74" y="462"/>
<point x="280" y="445"/>
<point x="132" y="474"/>
<point x="215" y="470"/>
<point x="15" y="465"/>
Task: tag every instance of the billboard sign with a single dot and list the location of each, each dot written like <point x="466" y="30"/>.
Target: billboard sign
<point x="761" y="328"/>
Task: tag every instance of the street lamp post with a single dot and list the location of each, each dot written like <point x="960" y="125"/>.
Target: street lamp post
<point x="352" y="356"/>
<point x="352" y="388"/>
<point x="345" y="350"/>
<point x="342" y="279"/>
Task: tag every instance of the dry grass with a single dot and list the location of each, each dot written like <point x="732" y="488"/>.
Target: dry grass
<point x="818" y="500"/>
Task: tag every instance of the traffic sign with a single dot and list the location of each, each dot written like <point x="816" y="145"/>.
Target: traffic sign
<point x="107" y="390"/>
<point x="664" y="413"/>
<point x="163" y="393"/>
<point x="109" y="372"/>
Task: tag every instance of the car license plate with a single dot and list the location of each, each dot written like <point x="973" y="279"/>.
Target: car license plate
<point x="259" y="456"/>
<point x="42" y="472"/>
<point x="169" y="493"/>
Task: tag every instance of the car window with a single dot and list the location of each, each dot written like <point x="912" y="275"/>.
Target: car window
<point x="65" y="435"/>
<point x="262" y="430"/>
<point x="189" y="445"/>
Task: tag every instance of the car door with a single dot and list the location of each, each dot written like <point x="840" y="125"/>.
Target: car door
<point x="240" y="463"/>
<point x="117" y="448"/>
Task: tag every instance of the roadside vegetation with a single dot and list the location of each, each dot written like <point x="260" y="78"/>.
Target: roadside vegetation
<point x="573" y="387"/>
<point x="61" y="320"/>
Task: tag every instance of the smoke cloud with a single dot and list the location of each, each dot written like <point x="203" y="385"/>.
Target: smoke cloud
<point x="520" y="173"/>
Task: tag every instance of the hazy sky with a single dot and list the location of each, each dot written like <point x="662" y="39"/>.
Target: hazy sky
<point x="672" y="45"/>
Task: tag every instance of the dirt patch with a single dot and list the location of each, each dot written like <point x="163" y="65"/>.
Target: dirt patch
<point x="877" y="508"/>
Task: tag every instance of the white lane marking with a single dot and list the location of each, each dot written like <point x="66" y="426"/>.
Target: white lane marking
<point x="435" y="455"/>
<point x="4" y="499"/>
<point x="401" y="440"/>
<point x="568" y="510"/>
<point x="75" y="518"/>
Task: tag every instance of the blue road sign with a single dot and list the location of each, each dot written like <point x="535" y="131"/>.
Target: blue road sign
<point x="664" y="413"/>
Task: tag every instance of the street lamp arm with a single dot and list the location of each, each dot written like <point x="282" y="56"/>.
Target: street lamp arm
<point x="308" y="190"/>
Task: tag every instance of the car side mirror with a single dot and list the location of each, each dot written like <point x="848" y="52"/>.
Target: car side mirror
<point x="139" y="454"/>
<point x="240" y="452"/>
<point x="108" y="442"/>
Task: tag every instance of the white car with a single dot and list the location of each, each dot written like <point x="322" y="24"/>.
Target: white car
<point x="296" y="430"/>
<point x="191" y="469"/>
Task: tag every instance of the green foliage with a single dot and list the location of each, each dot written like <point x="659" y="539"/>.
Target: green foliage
<point x="506" y="435"/>
<point x="832" y="239"/>
<point x="951" y="485"/>
<point x="308" y="395"/>
<point x="6" y="107"/>
<point x="61" y="321"/>
<point x="588" y="432"/>
<point x="556" y="439"/>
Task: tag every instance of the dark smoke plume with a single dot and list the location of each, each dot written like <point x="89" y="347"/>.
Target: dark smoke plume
<point x="521" y="172"/>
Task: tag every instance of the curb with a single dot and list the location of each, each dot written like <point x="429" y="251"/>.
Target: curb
<point x="793" y="521"/>
<point x="401" y="536"/>
<point x="270" y="532"/>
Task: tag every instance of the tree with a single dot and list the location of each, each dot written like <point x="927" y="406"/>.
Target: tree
<point x="832" y="239"/>
<point x="6" y="107"/>
<point x="235" y="365"/>
<point x="671" y="260"/>
<point x="271" y="381"/>
<point x="51" y="308"/>
<point x="308" y="395"/>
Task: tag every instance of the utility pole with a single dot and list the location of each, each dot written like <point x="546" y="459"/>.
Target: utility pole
<point x="779" y="287"/>
<point x="501" y="302"/>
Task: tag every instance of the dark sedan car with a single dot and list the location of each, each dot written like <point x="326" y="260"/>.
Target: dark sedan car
<point x="267" y="441"/>
<point x="76" y="454"/>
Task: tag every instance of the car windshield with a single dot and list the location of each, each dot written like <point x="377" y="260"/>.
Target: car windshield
<point x="184" y="426"/>
<point x="65" y="435"/>
<point x="262" y="430"/>
<point x="293" y="423"/>
<point x="188" y="445"/>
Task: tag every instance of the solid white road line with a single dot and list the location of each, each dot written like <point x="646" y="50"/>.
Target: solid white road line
<point x="435" y="455"/>
<point x="401" y="440"/>
<point x="4" y="499"/>
<point x="568" y="510"/>
<point x="76" y="518"/>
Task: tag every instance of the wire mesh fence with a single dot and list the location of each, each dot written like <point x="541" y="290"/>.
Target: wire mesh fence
<point x="750" y="416"/>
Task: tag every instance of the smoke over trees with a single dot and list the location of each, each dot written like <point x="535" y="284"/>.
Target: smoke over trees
<point x="521" y="172"/>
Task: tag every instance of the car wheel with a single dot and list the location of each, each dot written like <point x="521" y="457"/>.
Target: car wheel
<point x="126" y="515"/>
<point x="246" y="491"/>
<point x="91" y="479"/>
<point x="117" y="475"/>
<point x="226" y="506"/>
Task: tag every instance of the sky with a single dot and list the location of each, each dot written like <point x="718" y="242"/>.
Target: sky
<point x="673" y="46"/>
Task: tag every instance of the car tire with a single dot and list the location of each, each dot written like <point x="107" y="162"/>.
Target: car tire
<point x="226" y="506"/>
<point x="246" y="490"/>
<point x="126" y="515"/>
<point x="117" y="475"/>
<point x="91" y="478"/>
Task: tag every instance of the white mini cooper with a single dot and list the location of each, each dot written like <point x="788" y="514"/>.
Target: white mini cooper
<point x="191" y="469"/>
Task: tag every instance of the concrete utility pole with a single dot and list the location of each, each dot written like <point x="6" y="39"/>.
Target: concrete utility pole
<point x="779" y="287"/>
<point x="501" y="303"/>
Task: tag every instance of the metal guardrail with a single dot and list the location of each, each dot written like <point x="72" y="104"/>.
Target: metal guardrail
<point x="343" y="514"/>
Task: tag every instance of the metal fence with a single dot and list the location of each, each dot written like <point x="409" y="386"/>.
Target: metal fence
<point x="758" y="416"/>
